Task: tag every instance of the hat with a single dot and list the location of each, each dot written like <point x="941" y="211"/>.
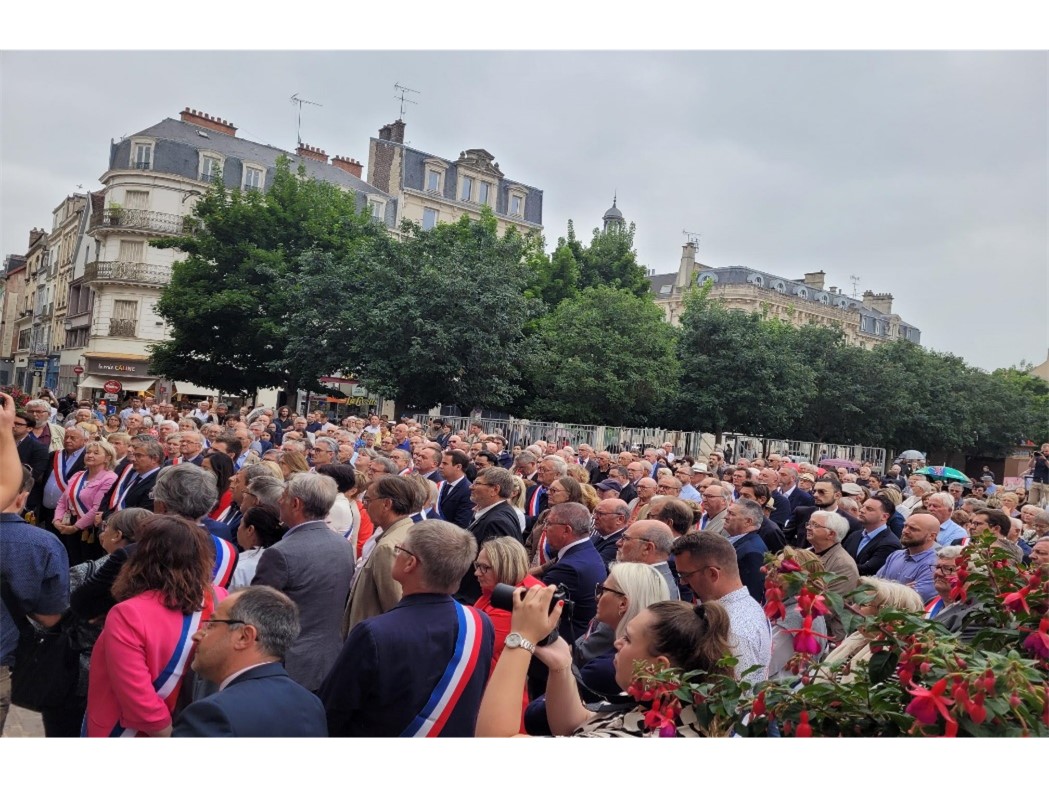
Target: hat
<point x="807" y="477"/>
<point x="699" y="467"/>
<point x="608" y="485"/>
<point x="850" y="489"/>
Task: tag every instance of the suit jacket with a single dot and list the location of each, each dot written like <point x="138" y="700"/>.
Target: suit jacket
<point x="313" y="565"/>
<point x="799" y="497"/>
<point x="544" y="503"/>
<point x="781" y="512"/>
<point x="628" y="493"/>
<point x="875" y="553"/>
<point x="750" y="557"/>
<point x="717" y="524"/>
<point x="498" y="521"/>
<point x="456" y="506"/>
<point x="263" y="702"/>
<point x="672" y="584"/>
<point x="375" y="591"/>
<point x="607" y="545"/>
<point x="772" y="535"/>
<point x="391" y="664"/>
<point x="434" y="475"/>
<point x="838" y="561"/>
<point x="33" y="453"/>
<point x="578" y="571"/>
<point x="76" y="467"/>
<point x="137" y="497"/>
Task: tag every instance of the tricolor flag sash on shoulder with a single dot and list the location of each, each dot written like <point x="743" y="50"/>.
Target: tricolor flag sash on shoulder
<point x="77" y="485"/>
<point x="438" y="709"/>
<point x="933" y="608"/>
<point x="225" y="562"/>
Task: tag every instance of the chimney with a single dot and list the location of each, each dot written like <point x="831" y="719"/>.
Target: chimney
<point x="351" y="165"/>
<point x="881" y="301"/>
<point x="308" y="151"/>
<point x="817" y="279"/>
<point x="392" y="132"/>
<point x="686" y="271"/>
<point x="34" y="236"/>
<point x="207" y="121"/>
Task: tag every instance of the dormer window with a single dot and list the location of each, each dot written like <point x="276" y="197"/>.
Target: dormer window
<point x="483" y="192"/>
<point x="466" y="189"/>
<point x="210" y="167"/>
<point x="142" y="155"/>
<point x="253" y="178"/>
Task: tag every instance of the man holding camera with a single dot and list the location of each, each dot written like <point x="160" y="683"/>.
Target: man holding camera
<point x="418" y="670"/>
<point x="578" y="567"/>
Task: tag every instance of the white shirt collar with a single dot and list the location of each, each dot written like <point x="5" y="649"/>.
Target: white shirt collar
<point x="238" y="673"/>
<point x="566" y="547"/>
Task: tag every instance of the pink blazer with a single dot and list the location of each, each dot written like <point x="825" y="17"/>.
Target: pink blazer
<point x="92" y="496"/>
<point x="135" y="650"/>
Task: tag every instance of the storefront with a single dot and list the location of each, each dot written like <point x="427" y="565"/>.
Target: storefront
<point x="116" y="377"/>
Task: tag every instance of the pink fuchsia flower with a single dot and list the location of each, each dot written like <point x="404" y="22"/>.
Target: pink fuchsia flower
<point x="1017" y="601"/>
<point x="1037" y="642"/>
<point x="804" y="729"/>
<point x="929" y="705"/>
<point x="789" y="565"/>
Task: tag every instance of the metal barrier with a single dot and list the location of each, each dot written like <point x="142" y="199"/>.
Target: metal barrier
<point x="522" y="432"/>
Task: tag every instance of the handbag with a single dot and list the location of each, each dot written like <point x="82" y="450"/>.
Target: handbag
<point x="47" y="664"/>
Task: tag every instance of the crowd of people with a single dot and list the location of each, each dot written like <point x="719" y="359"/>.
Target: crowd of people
<point x="257" y="572"/>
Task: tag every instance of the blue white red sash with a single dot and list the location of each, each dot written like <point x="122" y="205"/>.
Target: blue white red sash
<point x="225" y="562"/>
<point x="437" y="502"/>
<point x="933" y="608"/>
<point x="405" y="471"/>
<point x="77" y="485"/>
<point x="533" y="504"/>
<point x="116" y="497"/>
<point x="438" y="709"/>
<point x="169" y="679"/>
<point x="223" y="507"/>
<point x="58" y="468"/>
<point x="964" y="541"/>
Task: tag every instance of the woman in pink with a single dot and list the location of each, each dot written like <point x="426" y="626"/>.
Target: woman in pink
<point x="139" y="662"/>
<point x="75" y="512"/>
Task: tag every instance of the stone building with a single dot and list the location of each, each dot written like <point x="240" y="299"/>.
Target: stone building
<point x="865" y="322"/>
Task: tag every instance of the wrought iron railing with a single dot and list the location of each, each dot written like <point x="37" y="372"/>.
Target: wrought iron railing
<point x="119" y="327"/>
<point x="123" y="271"/>
<point x="145" y="220"/>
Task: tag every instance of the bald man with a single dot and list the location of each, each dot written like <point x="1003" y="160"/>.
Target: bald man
<point x="649" y="541"/>
<point x="914" y="564"/>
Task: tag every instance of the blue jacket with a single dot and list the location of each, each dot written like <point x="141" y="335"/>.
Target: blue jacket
<point x="578" y="571"/>
<point x="750" y="557"/>
<point x="260" y="703"/>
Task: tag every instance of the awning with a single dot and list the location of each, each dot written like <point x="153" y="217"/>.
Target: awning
<point x="189" y="389"/>
<point x="135" y="384"/>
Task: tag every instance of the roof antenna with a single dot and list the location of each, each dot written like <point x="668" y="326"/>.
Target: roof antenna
<point x="855" y="289"/>
<point x="300" y="101"/>
<point x="402" y="98"/>
<point x="693" y="237"/>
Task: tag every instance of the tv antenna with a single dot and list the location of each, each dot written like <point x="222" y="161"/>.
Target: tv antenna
<point x="855" y="285"/>
<point x="300" y="101"/>
<point x="403" y="97"/>
<point x="693" y="237"/>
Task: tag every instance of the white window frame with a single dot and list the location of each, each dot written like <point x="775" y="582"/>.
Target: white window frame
<point x="205" y="157"/>
<point x="257" y="169"/>
<point x="377" y="209"/>
<point x="142" y="195"/>
<point x="484" y="188"/>
<point x="466" y="187"/>
<point x="438" y="167"/>
<point x="131" y="251"/>
<point x="520" y="205"/>
<point x="136" y="146"/>
<point x="436" y="217"/>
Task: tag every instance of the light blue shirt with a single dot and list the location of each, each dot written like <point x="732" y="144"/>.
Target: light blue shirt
<point x="689" y="492"/>
<point x="868" y="537"/>
<point x="950" y="531"/>
<point x="913" y="570"/>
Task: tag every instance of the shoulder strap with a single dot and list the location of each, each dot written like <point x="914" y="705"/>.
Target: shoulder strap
<point x="14" y="607"/>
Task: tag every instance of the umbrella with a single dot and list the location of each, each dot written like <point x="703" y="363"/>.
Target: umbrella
<point x="911" y="455"/>
<point x="846" y="463"/>
<point x="944" y="473"/>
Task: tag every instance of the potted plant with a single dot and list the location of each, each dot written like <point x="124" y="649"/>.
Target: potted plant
<point x="115" y="213"/>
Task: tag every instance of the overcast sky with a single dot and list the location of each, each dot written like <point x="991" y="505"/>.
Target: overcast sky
<point x="923" y="174"/>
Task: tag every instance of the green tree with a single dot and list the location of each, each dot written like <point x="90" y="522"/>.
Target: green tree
<point x="611" y="260"/>
<point x="605" y="356"/>
<point x="226" y="305"/>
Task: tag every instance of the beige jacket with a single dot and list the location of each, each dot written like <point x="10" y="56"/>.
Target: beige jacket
<point x="374" y="589"/>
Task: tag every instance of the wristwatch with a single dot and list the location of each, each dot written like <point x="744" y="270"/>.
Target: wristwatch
<point x="515" y="640"/>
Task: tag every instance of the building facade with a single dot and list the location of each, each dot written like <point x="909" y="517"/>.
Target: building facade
<point x="431" y="189"/>
<point x="12" y="303"/>
<point x="805" y="301"/>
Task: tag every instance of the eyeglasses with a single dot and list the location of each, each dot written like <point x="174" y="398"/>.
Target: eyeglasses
<point x="945" y="569"/>
<point x="684" y="575"/>
<point x="625" y="537"/>
<point x="20" y="423"/>
<point x="207" y="624"/>
<point x="398" y="549"/>
<point x="482" y="567"/>
<point x="600" y="588"/>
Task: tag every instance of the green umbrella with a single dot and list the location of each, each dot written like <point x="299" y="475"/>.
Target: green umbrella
<point x="944" y="474"/>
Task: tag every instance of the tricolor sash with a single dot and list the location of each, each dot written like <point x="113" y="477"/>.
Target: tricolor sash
<point x="223" y="507"/>
<point x="58" y="467"/>
<point x="116" y="497"/>
<point x="533" y="504"/>
<point x="437" y="502"/>
<point x="77" y="485"/>
<point x="965" y="541"/>
<point x="438" y="709"/>
<point x="933" y="608"/>
<point x="167" y="682"/>
<point x="225" y="562"/>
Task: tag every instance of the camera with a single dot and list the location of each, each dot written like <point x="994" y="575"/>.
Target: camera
<point x="503" y="598"/>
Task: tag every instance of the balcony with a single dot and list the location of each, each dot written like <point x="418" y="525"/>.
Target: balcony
<point x="149" y="221"/>
<point x="122" y="327"/>
<point x="122" y="272"/>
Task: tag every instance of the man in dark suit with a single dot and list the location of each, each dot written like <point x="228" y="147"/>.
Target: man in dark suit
<point x="788" y="484"/>
<point x="770" y="532"/>
<point x="610" y="523"/>
<point x="240" y="649"/>
<point x="587" y="459"/>
<point x="536" y="501"/>
<point x="33" y="454"/>
<point x="420" y="668"/>
<point x="826" y="492"/>
<point x="578" y="567"/>
<point x="742" y="522"/>
<point x="453" y="494"/>
<point x="495" y="518"/>
<point x="426" y="459"/>
<point x="134" y="490"/>
<point x="871" y="546"/>
<point x="62" y="465"/>
<point x="781" y="506"/>
<point x="314" y="566"/>
<point x="191" y="448"/>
